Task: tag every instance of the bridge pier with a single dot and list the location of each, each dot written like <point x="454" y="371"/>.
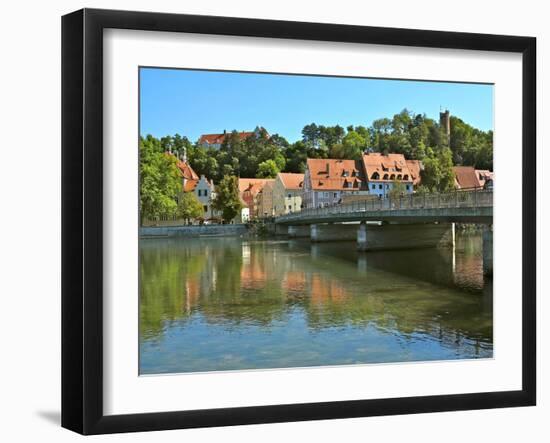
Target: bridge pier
<point x="296" y="231"/>
<point x="488" y="250"/>
<point x="281" y="229"/>
<point x="405" y="236"/>
<point x="333" y="232"/>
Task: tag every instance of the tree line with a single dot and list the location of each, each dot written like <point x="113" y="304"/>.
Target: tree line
<point x="263" y="156"/>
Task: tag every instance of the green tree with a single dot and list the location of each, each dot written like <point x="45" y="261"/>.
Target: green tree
<point x="227" y="198"/>
<point x="267" y="169"/>
<point x="189" y="206"/>
<point x="398" y="189"/>
<point x="438" y="174"/>
<point x="159" y="180"/>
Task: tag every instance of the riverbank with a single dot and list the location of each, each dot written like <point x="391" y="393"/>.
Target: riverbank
<point x="193" y="231"/>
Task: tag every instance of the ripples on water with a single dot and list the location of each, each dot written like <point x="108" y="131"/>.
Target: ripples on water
<point x="226" y="303"/>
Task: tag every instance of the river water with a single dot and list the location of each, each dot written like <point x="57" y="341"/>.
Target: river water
<point x="217" y="304"/>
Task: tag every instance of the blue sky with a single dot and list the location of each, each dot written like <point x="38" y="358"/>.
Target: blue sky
<point x="192" y="103"/>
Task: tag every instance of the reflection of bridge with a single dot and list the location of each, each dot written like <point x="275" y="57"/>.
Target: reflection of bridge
<point x="411" y="221"/>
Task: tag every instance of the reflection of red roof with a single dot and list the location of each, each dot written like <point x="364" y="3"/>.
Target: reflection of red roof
<point x="466" y="177"/>
<point x="334" y="174"/>
<point x="214" y="139"/>
<point x="291" y="180"/>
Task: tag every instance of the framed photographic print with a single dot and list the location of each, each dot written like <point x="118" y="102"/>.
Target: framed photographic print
<point x="269" y="221"/>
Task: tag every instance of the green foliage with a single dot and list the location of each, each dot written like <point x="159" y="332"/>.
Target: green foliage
<point x="398" y="189"/>
<point x="438" y="175"/>
<point x="159" y="180"/>
<point x="189" y="206"/>
<point x="267" y="169"/>
<point x="227" y="198"/>
<point x="414" y="135"/>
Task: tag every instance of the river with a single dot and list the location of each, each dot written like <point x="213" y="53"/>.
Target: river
<point x="215" y="304"/>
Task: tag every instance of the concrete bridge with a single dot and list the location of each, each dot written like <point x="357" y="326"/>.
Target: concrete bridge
<point x="411" y="221"/>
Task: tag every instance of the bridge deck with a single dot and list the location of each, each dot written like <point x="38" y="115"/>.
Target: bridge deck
<point x="460" y="206"/>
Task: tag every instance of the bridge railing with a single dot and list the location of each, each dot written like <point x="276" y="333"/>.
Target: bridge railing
<point x="456" y="199"/>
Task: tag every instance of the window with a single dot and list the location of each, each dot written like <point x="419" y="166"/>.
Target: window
<point x="406" y="177"/>
<point x="373" y="186"/>
<point x="392" y="177"/>
<point x="289" y="208"/>
<point x="335" y="195"/>
<point x="199" y="192"/>
<point x="408" y="187"/>
<point x="205" y="192"/>
<point x="385" y="176"/>
<point x="379" y="186"/>
<point x="326" y="194"/>
<point x="205" y="208"/>
<point x="289" y="195"/>
<point x="375" y="176"/>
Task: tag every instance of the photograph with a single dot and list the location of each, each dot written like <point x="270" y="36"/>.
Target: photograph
<point x="295" y="221"/>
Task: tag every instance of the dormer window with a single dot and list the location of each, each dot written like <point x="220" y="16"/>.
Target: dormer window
<point x="398" y="176"/>
<point x="345" y="173"/>
<point x="392" y="177"/>
<point x="375" y="176"/>
<point x="405" y="177"/>
<point x="385" y="176"/>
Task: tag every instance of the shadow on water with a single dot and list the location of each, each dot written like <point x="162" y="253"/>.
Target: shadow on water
<point x="227" y="303"/>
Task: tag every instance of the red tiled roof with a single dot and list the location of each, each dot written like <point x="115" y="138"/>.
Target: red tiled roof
<point x="190" y="185"/>
<point x="291" y="180"/>
<point x="334" y="174"/>
<point x="256" y="183"/>
<point x="213" y="139"/>
<point x="380" y="167"/>
<point x="187" y="171"/>
<point x="414" y="168"/>
<point x="466" y="177"/>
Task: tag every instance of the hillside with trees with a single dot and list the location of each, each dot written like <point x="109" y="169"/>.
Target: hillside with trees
<point x="414" y="135"/>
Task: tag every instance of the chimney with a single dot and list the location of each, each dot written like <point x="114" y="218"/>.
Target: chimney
<point x="328" y="168"/>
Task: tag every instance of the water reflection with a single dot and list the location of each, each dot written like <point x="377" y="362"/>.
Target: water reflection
<point x="225" y="303"/>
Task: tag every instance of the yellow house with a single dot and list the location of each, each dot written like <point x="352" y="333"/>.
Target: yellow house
<point x="263" y="202"/>
<point x="287" y="193"/>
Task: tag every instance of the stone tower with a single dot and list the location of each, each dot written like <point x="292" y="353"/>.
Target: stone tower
<point x="445" y="123"/>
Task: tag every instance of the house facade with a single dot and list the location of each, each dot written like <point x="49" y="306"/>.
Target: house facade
<point x="205" y="192"/>
<point x="326" y="181"/>
<point x="249" y="189"/>
<point x="264" y="201"/>
<point x="467" y="177"/>
<point x="384" y="171"/>
<point x="200" y="186"/>
<point x="330" y="181"/>
<point x="287" y="193"/>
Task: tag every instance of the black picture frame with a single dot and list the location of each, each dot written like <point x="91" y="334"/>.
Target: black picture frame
<point x="82" y="219"/>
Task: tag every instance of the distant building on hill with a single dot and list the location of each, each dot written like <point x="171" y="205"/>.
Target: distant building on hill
<point x="287" y="193"/>
<point x="216" y="140"/>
